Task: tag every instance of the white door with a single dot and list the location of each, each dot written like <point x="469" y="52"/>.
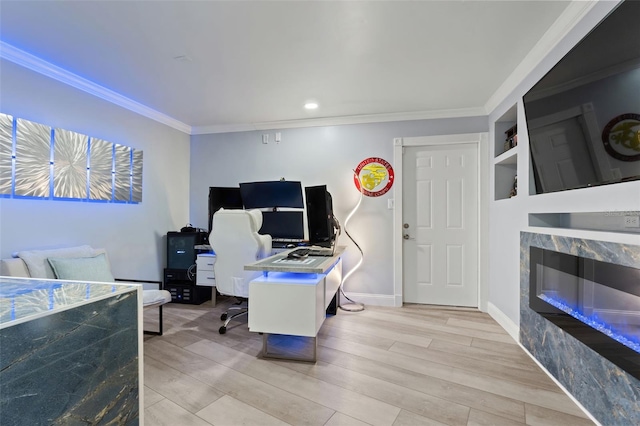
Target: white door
<point x="559" y="148"/>
<point x="440" y="224"/>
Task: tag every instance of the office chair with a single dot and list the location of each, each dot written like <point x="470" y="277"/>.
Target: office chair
<point x="235" y="240"/>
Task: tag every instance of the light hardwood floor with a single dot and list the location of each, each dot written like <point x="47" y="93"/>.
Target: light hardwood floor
<point x="416" y="365"/>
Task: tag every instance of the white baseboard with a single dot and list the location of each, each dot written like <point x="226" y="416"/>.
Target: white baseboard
<point x="505" y="322"/>
<point x="371" y="299"/>
<point x="398" y="301"/>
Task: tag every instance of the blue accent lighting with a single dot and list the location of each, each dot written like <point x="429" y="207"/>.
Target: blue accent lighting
<point x="613" y="331"/>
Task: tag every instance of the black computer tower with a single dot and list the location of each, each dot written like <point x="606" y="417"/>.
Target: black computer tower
<point x="181" y="249"/>
<point x="180" y="273"/>
<point x="320" y="216"/>
<point x="183" y="289"/>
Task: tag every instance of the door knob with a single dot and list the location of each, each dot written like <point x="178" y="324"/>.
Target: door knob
<point x="406" y="236"/>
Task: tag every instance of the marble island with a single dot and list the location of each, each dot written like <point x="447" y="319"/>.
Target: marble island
<point x="69" y="352"/>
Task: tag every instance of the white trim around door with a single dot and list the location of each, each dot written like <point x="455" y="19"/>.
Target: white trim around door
<point x="481" y="140"/>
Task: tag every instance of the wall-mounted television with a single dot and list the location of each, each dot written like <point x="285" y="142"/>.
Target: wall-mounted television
<point x="257" y="195"/>
<point x="583" y="116"/>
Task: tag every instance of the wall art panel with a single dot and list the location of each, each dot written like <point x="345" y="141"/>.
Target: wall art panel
<point x="33" y="159"/>
<point x="136" y="180"/>
<point x="123" y="173"/>
<point x="6" y="151"/>
<point x="36" y="161"/>
<point x="70" y="164"/>
<point x="100" y="168"/>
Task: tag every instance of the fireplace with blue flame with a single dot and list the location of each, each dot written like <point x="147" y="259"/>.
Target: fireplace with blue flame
<point x="596" y="302"/>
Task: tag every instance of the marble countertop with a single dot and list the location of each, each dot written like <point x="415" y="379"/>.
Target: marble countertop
<point x="308" y="265"/>
<point x="23" y="299"/>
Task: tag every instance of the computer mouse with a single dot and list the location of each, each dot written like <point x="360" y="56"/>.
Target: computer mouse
<point x="291" y="245"/>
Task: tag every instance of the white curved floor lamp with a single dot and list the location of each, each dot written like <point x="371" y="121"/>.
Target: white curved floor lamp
<point x="352" y="306"/>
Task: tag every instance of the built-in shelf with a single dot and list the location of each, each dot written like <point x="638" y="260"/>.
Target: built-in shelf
<point x="504" y="127"/>
<point x="610" y="221"/>
<point x="506" y="155"/>
<point x="507" y="200"/>
<point x="505" y="180"/>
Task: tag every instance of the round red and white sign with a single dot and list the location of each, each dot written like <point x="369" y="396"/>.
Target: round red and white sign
<point x="375" y="176"/>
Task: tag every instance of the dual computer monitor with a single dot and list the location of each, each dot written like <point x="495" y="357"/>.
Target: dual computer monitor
<point x="281" y="224"/>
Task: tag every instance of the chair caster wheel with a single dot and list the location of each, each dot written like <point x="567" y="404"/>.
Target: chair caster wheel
<point x="222" y="330"/>
<point x="223" y="317"/>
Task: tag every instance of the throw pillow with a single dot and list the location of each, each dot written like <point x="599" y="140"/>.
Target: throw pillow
<point x="82" y="268"/>
<point x="36" y="260"/>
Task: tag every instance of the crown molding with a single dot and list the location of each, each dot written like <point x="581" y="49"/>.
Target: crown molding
<point x="27" y="60"/>
<point x="340" y="121"/>
<point x="572" y="15"/>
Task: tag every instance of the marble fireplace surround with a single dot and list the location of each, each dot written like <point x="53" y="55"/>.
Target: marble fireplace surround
<point x="611" y="395"/>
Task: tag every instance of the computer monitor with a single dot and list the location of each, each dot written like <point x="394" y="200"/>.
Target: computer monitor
<point x="223" y="197"/>
<point x="283" y="225"/>
<point x="257" y="195"/>
<point x="320" y="215"/>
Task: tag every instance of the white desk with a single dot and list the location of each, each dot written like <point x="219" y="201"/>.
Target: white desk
<point x="291" y="298"/>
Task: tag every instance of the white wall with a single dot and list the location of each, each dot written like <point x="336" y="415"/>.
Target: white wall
<point x="510" y="216"/>
<point x="132" y="233"/>
<point x="317" y="156"/>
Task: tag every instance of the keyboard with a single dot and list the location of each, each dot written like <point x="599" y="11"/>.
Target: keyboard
<point x="327" y="252"/>
<point x="299" y="253"/>
<point x="303" y="252"/>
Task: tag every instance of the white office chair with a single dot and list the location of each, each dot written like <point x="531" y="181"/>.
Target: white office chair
<point x="235" y="240"/>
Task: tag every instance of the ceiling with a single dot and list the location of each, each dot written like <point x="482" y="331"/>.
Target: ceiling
<point x="238" y="65"/>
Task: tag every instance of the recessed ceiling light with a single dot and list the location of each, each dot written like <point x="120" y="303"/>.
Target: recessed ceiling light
<point x="311" y="105"/>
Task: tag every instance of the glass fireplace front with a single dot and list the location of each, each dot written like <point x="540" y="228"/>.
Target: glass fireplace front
<point x="596" y="302"/>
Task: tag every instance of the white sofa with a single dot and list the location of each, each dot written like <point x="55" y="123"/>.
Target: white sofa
<point x="75" y="263"/>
